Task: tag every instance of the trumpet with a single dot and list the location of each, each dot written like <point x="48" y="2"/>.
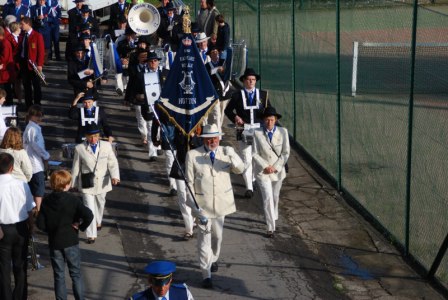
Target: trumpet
<point x="38" y="73"/>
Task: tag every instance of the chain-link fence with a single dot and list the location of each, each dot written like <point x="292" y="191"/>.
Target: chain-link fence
<point x="363" y="89"/>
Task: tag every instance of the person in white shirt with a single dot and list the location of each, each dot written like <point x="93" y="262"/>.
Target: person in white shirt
<point x="34" y="145"/>
<point x="12" y="144"/>
<point x="16" y="208"/>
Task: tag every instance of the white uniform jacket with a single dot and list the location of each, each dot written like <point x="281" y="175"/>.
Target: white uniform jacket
<point x="210" y="183"/>
<point x="264" y="156"/>
<point x="84" y="162"/>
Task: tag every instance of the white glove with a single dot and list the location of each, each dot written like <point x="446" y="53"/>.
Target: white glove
<point x="203" y="220"/>
<point x="228" y="151"/>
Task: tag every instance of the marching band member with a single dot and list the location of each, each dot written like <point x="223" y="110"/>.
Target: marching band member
<point x="95" y="169"/>
<point x="16" y="81"/>
<point x="147" y="63"/>
<point x="170" y="29"/>
<point x="54" y="19"/>
<point x="244" y="109"/>
<point x="270" y="153"/>
<point x="125" y="48"/>
<point x="162" y="8"/>
<point x="117" y="11"/>
<point x="16" y="9"/>
<point x="39" y="15"/>
<point x="87" y="114"/>
<point x="208" y="171"/>
<point x="202" y="43"/>
<point x="73" y="15"/>
<point x="87" y="19"/>
<point x="79" y="74"/>
<point x="7" y="65"/>
<point x="215" y="69"/>
<point x="31" y="49"/>
<point x="160" y="278"/>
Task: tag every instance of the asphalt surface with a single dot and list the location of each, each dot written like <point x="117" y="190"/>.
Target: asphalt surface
<point x="323" y="249"/>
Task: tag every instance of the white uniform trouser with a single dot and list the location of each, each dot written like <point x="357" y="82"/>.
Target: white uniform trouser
<point x="144" y="127"/>
<point x="185" y="210"/>
<point x="270" y="193"/>
<point x="168" y="165"/>
<point x="96" y="204"/>
<point x="122" y="81"/>
<point x="246" y="155"/>
<point x="209" y="244"/>
<point x="222" y="106"/>
<point x="214" y="116"/>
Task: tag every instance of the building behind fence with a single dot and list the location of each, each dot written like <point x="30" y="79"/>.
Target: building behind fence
<point x="386" y="144"/>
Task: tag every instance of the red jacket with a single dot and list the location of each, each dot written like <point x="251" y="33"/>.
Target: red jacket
<point x="36" y="48"/>
<point x="6" y="59"/>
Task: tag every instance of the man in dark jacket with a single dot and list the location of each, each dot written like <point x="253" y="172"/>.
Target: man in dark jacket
<point x="62" y="215"/>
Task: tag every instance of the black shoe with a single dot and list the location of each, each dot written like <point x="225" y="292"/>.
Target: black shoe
<point x="159" y="152"/>
<point x="248" y="194"/>
<point x="270" y="234"/>
<point x="173" y="192"/>
<point x="90" y="241"/>
<point x="207" y="283"/>
<point x="214" y="268"/>
<point x="119" y="92"/>
<point x="153" y="158"/>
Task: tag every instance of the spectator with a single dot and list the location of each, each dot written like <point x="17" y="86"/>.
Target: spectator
<point x="12" y="144"/>
<point x="34" y="145"/>
<point x="16" y="208"/>
<point x="62" y="215"/>
<point x="222" y="37"/>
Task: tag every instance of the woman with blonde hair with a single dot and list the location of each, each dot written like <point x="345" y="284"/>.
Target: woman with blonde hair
<point x="12" y="144"/>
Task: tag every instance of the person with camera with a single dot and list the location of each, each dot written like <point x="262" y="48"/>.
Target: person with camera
<point x="270" y="154"/>
<point x="95" y="169"/>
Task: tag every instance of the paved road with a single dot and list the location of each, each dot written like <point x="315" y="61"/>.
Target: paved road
<point x="323" y="249"/>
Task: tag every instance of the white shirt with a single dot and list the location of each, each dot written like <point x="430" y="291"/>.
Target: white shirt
<point x="34" y="144"/>
<point x="15" y="200"/>
<point x="167" y="295"/>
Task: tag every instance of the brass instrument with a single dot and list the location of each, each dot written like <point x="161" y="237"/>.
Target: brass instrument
<point x="128" y="56"/>
<point x="144" y="18"/>
<point x="32" y="249"/>
<point x="38" y="73"/>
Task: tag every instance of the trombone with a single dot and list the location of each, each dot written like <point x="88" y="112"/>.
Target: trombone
<point x="38" y="73"/>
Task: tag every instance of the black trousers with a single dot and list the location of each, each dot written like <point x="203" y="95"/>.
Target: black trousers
<point x="14" y="247"/>
<point x="31" y="85"/>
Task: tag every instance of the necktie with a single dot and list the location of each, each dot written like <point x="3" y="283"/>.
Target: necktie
<point x="270" y="135"/>
<point x="163" y="298"/>
<point x="89" y="113"/>
<point x="251" y="97"/>
<point x="93" y="146"/>
<point x="212" y="157"/>
<point x="121" y="7"/>
<point x="25" y="47"/>
<point x="204" y="55"/>
<point x="171" y="20"/>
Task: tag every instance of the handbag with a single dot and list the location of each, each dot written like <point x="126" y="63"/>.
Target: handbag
<point x="175" y="172"/>
<point x="88" y="179"/>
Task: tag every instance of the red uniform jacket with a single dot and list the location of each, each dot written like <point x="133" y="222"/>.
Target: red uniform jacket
<point x="6" y="60"/>
<point x="36" y="48"/>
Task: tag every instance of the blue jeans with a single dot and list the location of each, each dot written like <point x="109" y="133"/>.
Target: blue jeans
<point x="72" y="256"/>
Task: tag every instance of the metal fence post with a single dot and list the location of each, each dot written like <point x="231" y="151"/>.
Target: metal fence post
<point x="293" y="79"/>
<point x="338" y="62"/>
<point x="410" y="125"/>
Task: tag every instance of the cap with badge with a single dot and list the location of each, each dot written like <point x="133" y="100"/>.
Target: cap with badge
<point x="88" y="96"/>
<point x="161" y="272"/>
